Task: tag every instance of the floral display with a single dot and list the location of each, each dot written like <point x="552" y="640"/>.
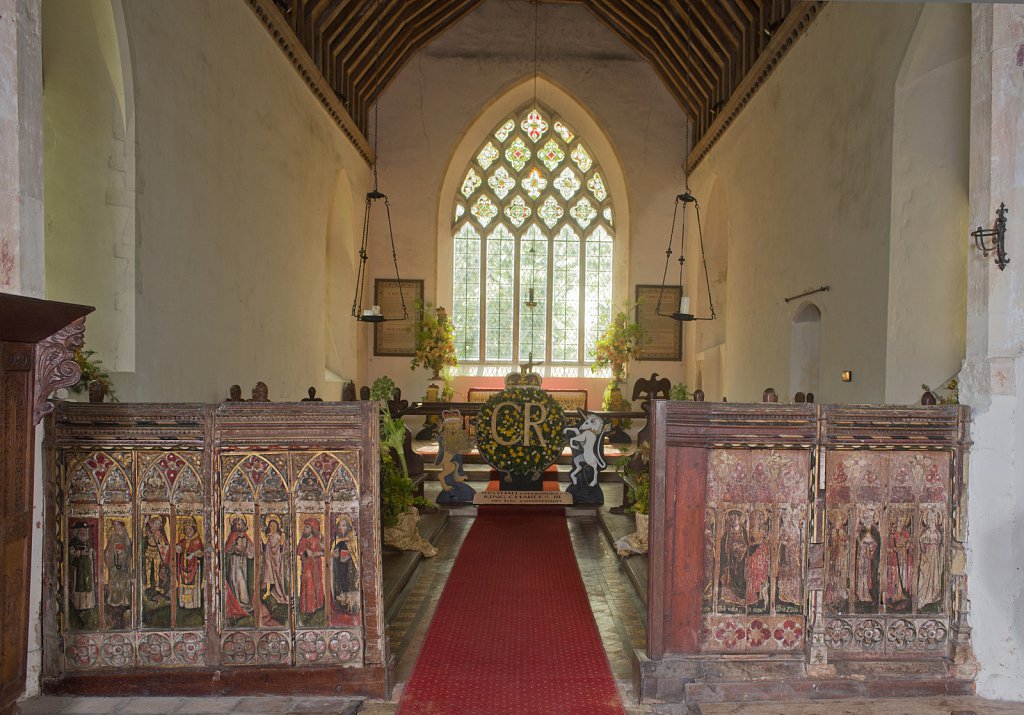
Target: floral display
<point x="435" y="340"/>
<point x="618" y="343"/>
<point x="501" y="438"/>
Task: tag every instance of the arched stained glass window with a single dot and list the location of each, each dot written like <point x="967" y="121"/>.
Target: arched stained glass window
<point x="533" y="236"/>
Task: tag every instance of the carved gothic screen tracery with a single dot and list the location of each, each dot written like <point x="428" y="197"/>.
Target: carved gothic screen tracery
<point x="204" y="538"/>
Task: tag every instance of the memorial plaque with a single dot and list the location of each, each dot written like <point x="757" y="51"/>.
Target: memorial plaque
<point x="396" y="336"/>
<point x="663" y="335"/>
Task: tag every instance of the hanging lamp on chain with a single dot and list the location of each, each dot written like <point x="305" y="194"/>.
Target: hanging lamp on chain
<point x="683" y="313"/>
<point x="360" y="311"/>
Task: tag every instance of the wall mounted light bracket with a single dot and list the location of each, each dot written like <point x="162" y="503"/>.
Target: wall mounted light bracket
<point x="998" y="236"/>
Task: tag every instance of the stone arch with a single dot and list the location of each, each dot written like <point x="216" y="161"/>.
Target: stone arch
<point x="805" y="350"/>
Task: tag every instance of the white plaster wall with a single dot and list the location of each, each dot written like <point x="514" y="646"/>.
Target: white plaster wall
<point x="483" y="65"/>
<point x="89" y="167"/>
<point x="238" y="172"/>
<point x="807" y="167"/>
<point x="928" y="244"/>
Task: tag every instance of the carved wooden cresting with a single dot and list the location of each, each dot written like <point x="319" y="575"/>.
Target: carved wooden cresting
<point x="823" y="540"/>
<point x="37" y="343"/>
<point x="215" y="549"/>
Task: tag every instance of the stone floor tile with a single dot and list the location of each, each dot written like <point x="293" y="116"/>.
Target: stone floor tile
<point x="325" y="706"/>
<point x="44" y="705"/>
<point x="94" y="706"/>
<point x="262" y="705"/>
<point x="151" y="706"/>
<point x="206" y="706"/>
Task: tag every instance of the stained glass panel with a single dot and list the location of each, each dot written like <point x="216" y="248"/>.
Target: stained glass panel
<point x="466" y="293"/>
<point x="517" y="211"/>
<point x="459" y="211"/>
<point x="597" y="287"/>
<point x="608" y="215"/>
<point x="567" y="183"/>
<point x="484" y="210"/>
<point x="501" y="182"/>
<point x="565" y="297"/>
<point x="551" y="211"/>
<point x="533" y="288"/>
<point x="501" y="249"/>
<point x="552" y="155"/>
<point x="487" y="156"/>
<point x="564" y="132"/>
<point x="596" y="186"/>
<point x="534" y="183"/>
<point x="471" y="183"/>
<point x="534" y="125"/>
<point x="517" y="154"/>
<point x="504" y="130"/>
<point x="582" y="158"/>
<point x="584" y="212"/>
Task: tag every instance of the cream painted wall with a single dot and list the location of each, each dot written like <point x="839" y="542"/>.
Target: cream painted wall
<point x="928" y="235"/>
<point x="438" y="108"/>
<point x="807" y="168"/>
<point x="239" y="170"/>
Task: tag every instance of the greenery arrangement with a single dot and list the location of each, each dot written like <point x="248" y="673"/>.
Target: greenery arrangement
<point x="619" y="342"/>
<point x="949" y="394"/>
<point x="638" y="477"/>
<point x="435" y="340"/>
<point x="92" y="370"/>
<point x="679" y="391"/>
<point x="505" y="447"/>
<point x="396" y="487"/>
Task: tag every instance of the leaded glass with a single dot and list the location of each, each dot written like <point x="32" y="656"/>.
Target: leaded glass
<point x="534" y="183"/>
<point x="501" y="252"/>
<point x="521" y="187"/>
<point x="487" y="156"/>
<point x="551" y="155"/>
<point x="567" y="183"/>
<point x="533" y="288"/>
<point x="597" y="287"/>
<point x="517" y="211"/>
<point x="471" y="183"/>
<point x="504" y="130"/>
<point x="517" y="154"/>
<point x="484" y="210"/>
<point x="584" y="212"/>
<point x="466" y="293"/>
<point x="501" y="182"/>
<point x="565" y="297"/>
<point x="582" y="158"/>
<point x="534" y="126"/>
<point x="551" y="211"/>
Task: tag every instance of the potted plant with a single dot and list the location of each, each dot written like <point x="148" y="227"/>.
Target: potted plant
<point x="435" y="342"/>
<point x="634" y="469"/>
<point x="398" y="515"/>
<point x="94" y="380"/>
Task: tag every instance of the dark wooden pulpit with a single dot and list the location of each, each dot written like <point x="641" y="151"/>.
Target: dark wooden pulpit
<point x="38" y="339"/>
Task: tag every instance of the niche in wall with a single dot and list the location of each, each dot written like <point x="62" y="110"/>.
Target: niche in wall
<point x="805" y="350"/>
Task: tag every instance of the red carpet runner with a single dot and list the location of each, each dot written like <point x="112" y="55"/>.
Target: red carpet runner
<point x="513" y="632"/>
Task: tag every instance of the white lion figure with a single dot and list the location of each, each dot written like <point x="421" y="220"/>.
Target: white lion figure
<point x="587" y="445"/>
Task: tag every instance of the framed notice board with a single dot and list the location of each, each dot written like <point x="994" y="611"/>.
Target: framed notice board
<point x="663" y="336"/>
<point x="395" y="336"/>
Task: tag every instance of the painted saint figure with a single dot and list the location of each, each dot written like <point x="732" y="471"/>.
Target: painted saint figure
<point x="929" y="578"/>
<point x="190" y="564"/>
<point x="273" y="579"/>
<point x="156" y="574"/>
<point x="311" y="557"/>
<point x="81" y="568"/>
<point x="758" y="562"/>
<point x="238" y="554"/>
<point x="898" y="571"/>
<point x="789" y="588"/>
<point x="117" y="555"/>
<point x="869" y="542"/>
<point x="837" y="588"/>
<point x="344" y="575"/>
<point x="733" y="555"/>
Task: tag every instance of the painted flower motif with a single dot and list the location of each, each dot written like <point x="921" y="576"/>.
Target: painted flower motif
<point x="534" y="125"/>
<point x="838" y="634"/>
<point x="868" y="633"/>
<point x="901" y="634"/>
<point x="730" y="634"/>
<point x="551" y="154"/>
<point x="788" y="633"/>
<point x="932" y="633"/>
<point x="758" y="633"/>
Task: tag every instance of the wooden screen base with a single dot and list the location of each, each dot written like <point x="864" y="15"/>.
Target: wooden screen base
<point x="370" y="681"/>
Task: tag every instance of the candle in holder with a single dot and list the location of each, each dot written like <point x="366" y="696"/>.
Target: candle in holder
<point x="684" y="305"/>
<point x="376" y="310"/>
<point x="367" y="312"/>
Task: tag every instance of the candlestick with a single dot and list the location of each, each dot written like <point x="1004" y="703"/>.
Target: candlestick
<point x="684" y="304"/>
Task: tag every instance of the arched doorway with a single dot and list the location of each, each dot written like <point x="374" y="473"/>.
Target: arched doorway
<point x="805" y="350"/>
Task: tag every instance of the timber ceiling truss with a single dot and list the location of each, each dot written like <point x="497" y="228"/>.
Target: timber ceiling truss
<point x="711" y="54"/>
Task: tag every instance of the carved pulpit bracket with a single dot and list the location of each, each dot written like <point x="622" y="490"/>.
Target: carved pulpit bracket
<point x="56" y="366"/>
